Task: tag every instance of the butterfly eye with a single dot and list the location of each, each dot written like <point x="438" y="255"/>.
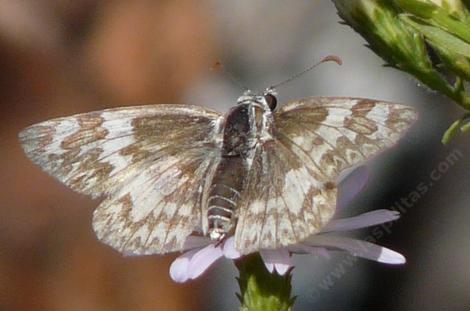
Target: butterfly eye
<point x="271" y="100"/>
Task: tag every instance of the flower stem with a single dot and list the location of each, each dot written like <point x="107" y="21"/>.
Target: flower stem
<point x="260" y="289"/>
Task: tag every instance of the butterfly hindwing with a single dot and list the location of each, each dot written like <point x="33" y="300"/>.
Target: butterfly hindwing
<point x="151" y="163"/>
<point x="283" y="202"/>
<point x="160" y="206"/>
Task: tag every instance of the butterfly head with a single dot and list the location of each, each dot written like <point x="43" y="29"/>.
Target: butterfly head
<point x="266" y="100"/>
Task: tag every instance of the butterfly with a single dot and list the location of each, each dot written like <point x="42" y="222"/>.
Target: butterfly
<point x="262" y="174"/>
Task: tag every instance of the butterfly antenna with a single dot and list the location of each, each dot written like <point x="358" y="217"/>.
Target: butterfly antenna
<point x="329" y="58"/>
<point x="218" y="66"/>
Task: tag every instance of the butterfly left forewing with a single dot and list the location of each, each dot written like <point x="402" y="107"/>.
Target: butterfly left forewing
<point x="331" y="134"/>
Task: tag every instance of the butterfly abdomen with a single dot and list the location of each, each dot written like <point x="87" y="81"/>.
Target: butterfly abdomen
<point x="224" y="196"/>
<point x="232" y="171"/>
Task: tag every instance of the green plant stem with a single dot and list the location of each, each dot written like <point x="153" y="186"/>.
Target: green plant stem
<point x="261" y="290"/>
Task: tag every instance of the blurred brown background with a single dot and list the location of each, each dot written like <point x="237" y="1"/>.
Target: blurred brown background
<point x="64" y="57"/>
<point x="61" y="57"/>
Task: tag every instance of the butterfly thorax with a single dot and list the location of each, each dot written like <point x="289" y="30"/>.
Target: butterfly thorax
<point x="244" y="125"/>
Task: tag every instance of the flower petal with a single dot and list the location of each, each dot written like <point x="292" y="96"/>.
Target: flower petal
<point x="361" y="221"/>
<point x="277" y="259"/>
<point x="229" y="249"/>
<point x="358" y="248"/>
<point x="179" y="267"/>
<point x="203" y="259"/>
<point x="351" y="185"/>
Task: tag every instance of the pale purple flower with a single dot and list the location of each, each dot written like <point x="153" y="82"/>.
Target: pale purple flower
<point x="201" y="252"/>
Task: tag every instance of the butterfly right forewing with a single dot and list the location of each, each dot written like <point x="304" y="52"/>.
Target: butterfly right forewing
<point x="95" y="152"/>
